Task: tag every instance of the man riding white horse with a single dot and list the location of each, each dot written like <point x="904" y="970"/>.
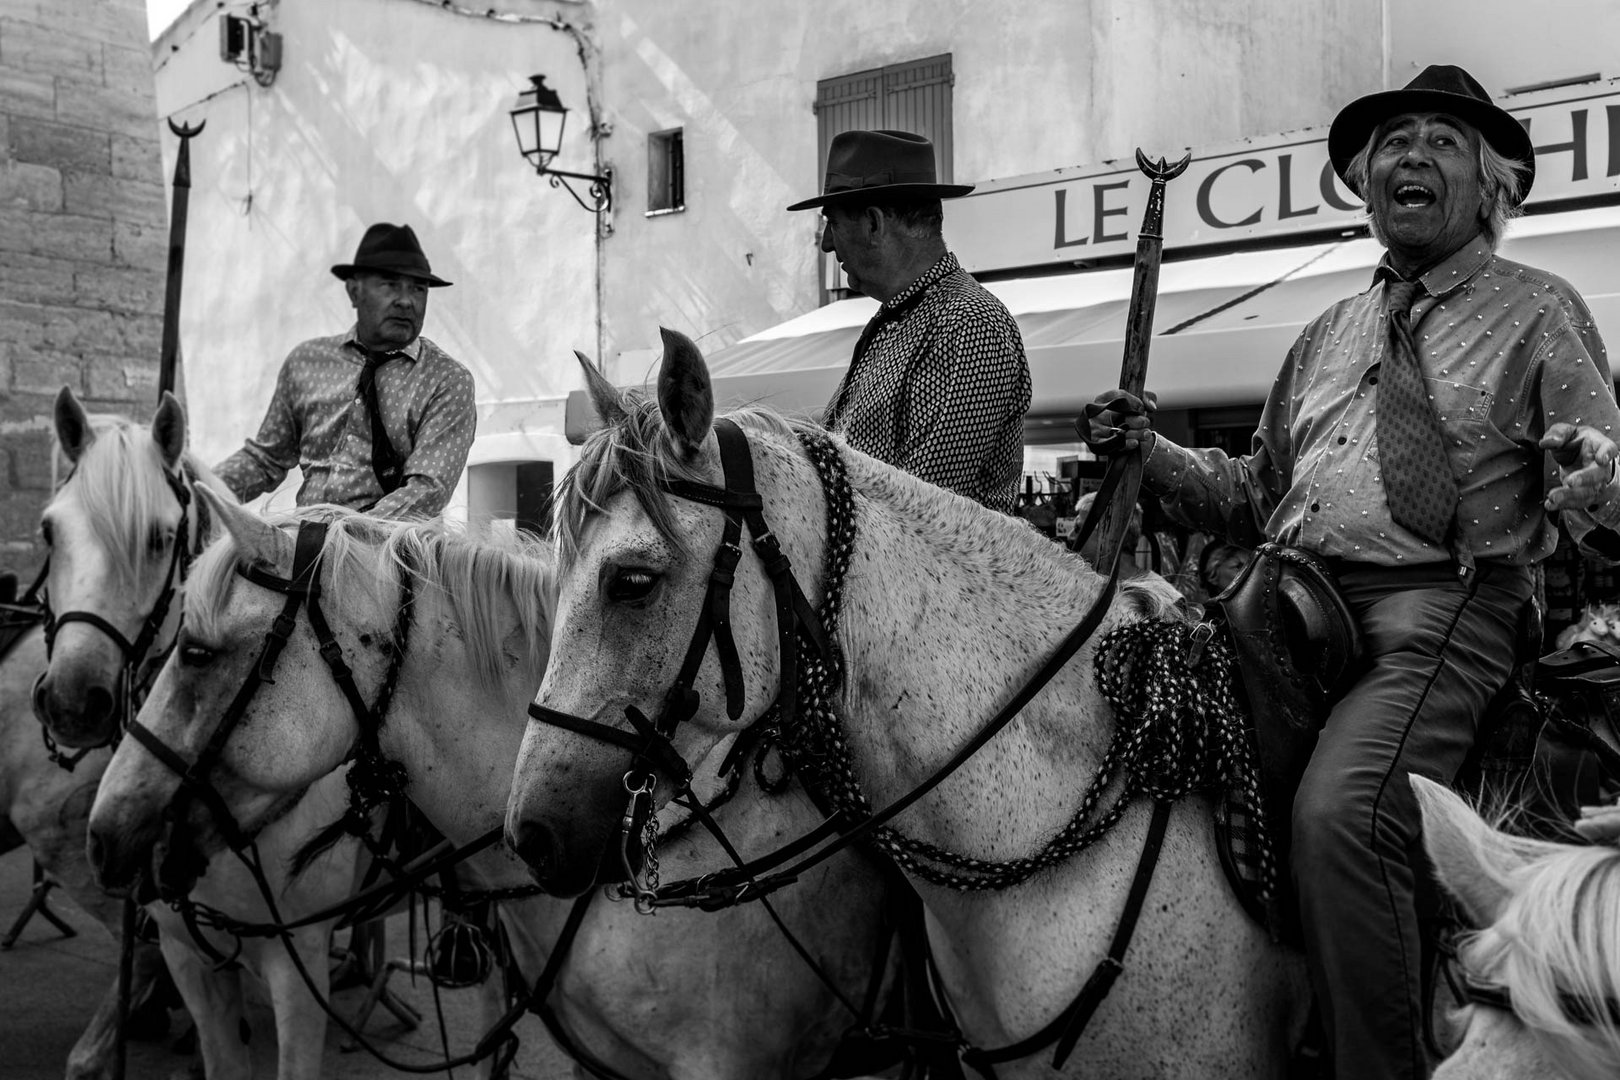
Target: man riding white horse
<point x="1417" y="439"/>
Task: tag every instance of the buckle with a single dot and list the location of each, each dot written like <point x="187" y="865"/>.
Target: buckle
<point x="1201" y="636"/>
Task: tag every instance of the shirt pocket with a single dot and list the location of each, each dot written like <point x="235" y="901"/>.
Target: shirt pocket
<point x="1465" y="416"/>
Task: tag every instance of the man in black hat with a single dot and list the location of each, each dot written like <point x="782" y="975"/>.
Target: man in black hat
<point x="1418" y="439"/>
<point x="378" y="418"/>
<point x="938" y="384"/>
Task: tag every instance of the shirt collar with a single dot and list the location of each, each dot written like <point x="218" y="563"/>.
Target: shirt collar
<point x="1447" y="274"/>
<point x="411" y="352"/>
<point x="945" y="265"/>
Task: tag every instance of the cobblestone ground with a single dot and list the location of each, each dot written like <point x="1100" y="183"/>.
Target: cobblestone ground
<point x="50" y="985"/>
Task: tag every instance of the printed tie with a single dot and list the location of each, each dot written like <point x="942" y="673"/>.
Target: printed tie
<point x="1418" y="485"/>
<point x="385" y="460"/>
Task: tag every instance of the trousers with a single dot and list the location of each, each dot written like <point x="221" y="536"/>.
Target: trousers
<point x="1437" y="646"/>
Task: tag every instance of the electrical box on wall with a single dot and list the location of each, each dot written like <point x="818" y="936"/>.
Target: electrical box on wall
<point x="235" y="39"/>
<point x="245" y="42"/>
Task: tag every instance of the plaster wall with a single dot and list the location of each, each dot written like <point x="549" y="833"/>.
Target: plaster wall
<point x="383" y="110"/>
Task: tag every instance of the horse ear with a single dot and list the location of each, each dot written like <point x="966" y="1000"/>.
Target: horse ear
<point x="169" y="429"/>
<point x="685" y="395"/>
<point x="1472" y="860"/>
<point x="256" y="539"/>
<point x="604" y="395"/>
<point x="73" y="432"/>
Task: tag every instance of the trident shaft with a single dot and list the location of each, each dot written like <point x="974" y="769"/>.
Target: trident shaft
<point x="169" y="357"/>
<point x="1138" y="336"/>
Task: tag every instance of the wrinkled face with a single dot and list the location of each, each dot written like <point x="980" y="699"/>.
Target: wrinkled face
<point x="389" y="308"/>
<point x="842" y="234"/>
<point x="1423" y="187"/>
<point x="626" y="612"/>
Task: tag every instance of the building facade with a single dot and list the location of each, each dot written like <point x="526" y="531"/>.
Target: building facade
<point x="83" y="234"/>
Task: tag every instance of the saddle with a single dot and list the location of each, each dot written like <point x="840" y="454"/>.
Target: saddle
<point x="1296" y="646"/>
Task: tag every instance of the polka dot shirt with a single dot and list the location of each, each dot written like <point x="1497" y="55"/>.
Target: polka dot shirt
<point x="941" y="387"/>
<point x="318" y="422"/>
<point x="1506" y="351"/>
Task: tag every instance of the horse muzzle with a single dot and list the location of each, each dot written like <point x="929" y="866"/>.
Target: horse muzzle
<point x="79" y="711"/>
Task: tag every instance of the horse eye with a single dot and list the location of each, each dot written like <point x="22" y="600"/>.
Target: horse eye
<point x="196" y="655"/>
<point x="629" y="586"/>
<point x="157" y="538"/>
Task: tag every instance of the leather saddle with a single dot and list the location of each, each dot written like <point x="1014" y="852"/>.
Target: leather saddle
<point x="1297" y="647"/>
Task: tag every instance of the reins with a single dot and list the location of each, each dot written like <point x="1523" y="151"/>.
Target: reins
<point x="188" y="543"/>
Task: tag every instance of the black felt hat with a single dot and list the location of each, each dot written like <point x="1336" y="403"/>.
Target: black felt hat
<point x="863" y="164"/>
<point x="1439" y="88"/>
<point x="389" y="249"/>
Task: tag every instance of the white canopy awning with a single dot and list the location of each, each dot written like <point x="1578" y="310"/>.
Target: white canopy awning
<point x="1222" y="323"/>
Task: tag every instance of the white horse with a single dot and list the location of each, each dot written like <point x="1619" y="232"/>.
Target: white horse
<point x="947" y="609"/>
<point x="120" y="537"/>
<point x="682" y="994"/>
<point x="46" y="807"/>
<point x="1549" y="936"/>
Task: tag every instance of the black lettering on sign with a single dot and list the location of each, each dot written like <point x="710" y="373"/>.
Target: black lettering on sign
<point x="1059" y="239"/>
<point x="1576" y="144"/>
<point x="1207" y="212"/>
<point x="1285" y="192"/>
<point x="1330" y="191"/>
<point x="1099" y="212"/>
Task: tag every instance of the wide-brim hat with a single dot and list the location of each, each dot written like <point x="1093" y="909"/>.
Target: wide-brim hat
<point x="1439" y="88"/>
<point x="390" y="249"/>
<point x="863" y="166"/>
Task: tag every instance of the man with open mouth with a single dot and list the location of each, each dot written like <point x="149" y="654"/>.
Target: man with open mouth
<point x="1418" y="441"/>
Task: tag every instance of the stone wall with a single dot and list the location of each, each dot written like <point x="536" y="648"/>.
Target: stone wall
<point x="83" y="234"/>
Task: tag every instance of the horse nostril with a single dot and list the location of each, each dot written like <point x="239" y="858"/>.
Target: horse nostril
<point x="96" y="849"/>
<point x="533" y="844"/>
<point x="41" y="699"/>
<point x="98" y="704"/>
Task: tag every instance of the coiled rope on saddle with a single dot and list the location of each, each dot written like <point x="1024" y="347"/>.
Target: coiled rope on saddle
<point x="1179" y="728"/>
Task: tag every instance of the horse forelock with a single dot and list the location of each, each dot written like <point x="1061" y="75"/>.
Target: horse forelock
<point x="1559" y="938"/>
<point x="633" y="454"/>
<point x="477" y="578"/>
<point x="120" y="479"/>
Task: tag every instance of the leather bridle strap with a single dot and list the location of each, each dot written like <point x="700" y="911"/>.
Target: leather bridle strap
<point x="1577" y="1009"/>
<point x="651" y="741"/>
<point x="194" y="776"/>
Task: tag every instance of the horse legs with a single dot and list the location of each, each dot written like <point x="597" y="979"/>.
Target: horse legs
<point x="214" y="999"/>
<point x="91" y="1057"/>
<point x="300" y="1020"/>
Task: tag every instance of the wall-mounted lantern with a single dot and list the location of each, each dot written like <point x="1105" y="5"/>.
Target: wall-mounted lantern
<point x="538" y="121"/>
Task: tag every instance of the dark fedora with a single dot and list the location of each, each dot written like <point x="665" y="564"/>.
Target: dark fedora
<point x="1439" y="88"/>
<point x="390" y="249"/>
<point x="864" y="164"/>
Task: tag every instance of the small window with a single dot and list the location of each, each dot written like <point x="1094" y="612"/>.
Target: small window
<point x="666" y="172"/>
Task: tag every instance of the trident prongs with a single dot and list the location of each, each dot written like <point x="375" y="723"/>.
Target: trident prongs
<point x="1162" y="170"/>
<point x="186" y="131"/>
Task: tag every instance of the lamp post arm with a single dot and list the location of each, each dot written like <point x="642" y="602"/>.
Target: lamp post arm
<point x="600" y="188"/>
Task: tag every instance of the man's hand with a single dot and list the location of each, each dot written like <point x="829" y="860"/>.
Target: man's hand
<point x="1600" y="824"/>
<point x="1116" y="422"/>
<point x="1586" y="466"/>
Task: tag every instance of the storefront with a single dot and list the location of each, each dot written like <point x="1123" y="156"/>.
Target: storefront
<point x="1260" y="237"/>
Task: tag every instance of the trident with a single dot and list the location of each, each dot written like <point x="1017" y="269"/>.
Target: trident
<point x="1138" y="335"/>
<point x="170" y="355"/>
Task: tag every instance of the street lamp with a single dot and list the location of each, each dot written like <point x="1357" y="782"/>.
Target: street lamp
<point x="538" y="122"/>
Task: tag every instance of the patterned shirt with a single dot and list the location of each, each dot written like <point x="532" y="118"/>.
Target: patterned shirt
<point x="318" y="421"/>
<point x="939" y="386"/>
<point x="1506" y="351"/>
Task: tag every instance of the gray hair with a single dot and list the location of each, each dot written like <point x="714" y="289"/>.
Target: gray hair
<point x="1501" y="177"/>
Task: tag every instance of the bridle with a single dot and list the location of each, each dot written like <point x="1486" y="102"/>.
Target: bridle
<point x="651" y="741"/>
<point x="378" y="778"/>
<point x="188" y="544"/>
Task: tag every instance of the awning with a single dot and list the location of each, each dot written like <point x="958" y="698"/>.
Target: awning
<point x="1223" y="324"/>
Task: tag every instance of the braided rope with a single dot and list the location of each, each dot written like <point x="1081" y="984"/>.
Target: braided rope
<point x="1177" y="731"/>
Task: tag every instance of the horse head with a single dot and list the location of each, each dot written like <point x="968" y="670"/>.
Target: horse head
<point x="120" y="532"/>
<point x="1543" y="968"/>
<point x="653" y="593"/>
<point x="246" y="707"/>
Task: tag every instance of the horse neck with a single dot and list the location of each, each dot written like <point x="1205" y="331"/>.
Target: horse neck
<point x="948" y="610"/>
<point x="456" y="733"/>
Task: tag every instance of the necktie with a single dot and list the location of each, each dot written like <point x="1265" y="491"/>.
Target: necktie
<point x="1418" y="485"/>
<point x="385" y="460"/>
